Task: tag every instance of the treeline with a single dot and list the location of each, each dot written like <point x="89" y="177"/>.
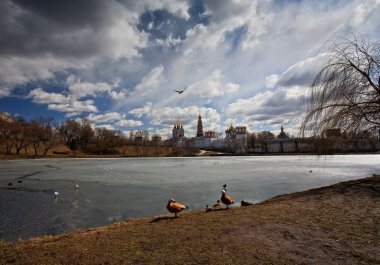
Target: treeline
<point x="42" y="136"/>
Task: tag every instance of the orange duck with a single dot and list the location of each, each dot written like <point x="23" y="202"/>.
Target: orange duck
<point x="174" y="207"/>
<point x="227" y="200"/>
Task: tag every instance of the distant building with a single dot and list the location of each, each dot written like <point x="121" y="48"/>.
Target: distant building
<point x="200" y="126"/>
<point x="210" y="134"/>
<point x="178" y="133"/>
<point x="282" y="134"/>
<point x="156" y="138"/>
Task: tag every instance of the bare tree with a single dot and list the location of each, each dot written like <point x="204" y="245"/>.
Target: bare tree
<point x="345" y="94"/>
<point x="6" y="127"/>
<point x="70" y="132"/>
<point x="45" y="133"/>
<point x="21" y="132"/>
<point x="86" y="133"/>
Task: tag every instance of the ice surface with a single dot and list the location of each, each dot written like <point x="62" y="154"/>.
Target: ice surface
<point x="116" y="189"/>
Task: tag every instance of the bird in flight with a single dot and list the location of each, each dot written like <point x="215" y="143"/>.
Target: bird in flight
<point x="180" y="91"/>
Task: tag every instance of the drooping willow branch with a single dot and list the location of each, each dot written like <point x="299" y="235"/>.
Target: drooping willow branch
<point x="345" y="94"/>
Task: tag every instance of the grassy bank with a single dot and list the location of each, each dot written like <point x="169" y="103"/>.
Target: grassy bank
<point x="339" y="224"/>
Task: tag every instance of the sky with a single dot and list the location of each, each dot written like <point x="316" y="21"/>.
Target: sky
<point x="118" y="62"/>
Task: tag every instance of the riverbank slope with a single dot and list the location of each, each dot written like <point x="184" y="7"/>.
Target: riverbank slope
<point x="338" y="224"/>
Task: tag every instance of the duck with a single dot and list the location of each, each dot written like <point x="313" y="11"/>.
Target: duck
<point x="56" y="193"/>
<point x="208" y="209"/>
<point x="227" y="200"/>
<point x="217" y="204"/>
<point x="175" y="207"/>
<point x="76" y="186"/>
<point x="245" y="203"/>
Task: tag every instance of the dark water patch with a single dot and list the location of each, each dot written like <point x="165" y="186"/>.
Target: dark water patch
<point x="26" y="214"/>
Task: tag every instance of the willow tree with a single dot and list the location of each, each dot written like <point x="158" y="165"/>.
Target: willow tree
<point x="345" y="93"/>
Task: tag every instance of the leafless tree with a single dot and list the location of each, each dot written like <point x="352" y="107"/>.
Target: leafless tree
<point x="345" y="94"/>
<point x="86" y="133"/>
<point x="44" y="128"/>
<point x="70" y="131"/>
<point x="21" y="133"/>
<point x="6" y="127"/>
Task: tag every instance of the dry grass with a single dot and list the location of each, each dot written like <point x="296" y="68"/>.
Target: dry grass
<point x="339" y="224"/>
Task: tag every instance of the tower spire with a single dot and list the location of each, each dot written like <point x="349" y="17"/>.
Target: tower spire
<point x="200" y="126"/>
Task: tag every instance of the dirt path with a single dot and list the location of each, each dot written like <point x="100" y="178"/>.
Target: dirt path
<point x="339" y="224"/>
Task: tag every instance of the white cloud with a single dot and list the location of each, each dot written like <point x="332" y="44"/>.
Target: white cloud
<point x="363" y="11"/>
<point x="107" y="117"/>
<point x="177" y="7"/>
<point x="42" y="97"/>
<point x="106" y="126"/>
<point x="43" y="43"/>
<point x="278" y="107"/>
<point x="5" y="91"/>
<point x="74" y="107"/>
<point x="62" y="103"/>
<point x="251" y="58"/>
<point x="212" y="86"/>
<point x="151" y="80"/>
<point x="166" y="117"/>
<point x="301" y="73"/>
<point x="79" y="89"/>
<point x="129" y="123"/>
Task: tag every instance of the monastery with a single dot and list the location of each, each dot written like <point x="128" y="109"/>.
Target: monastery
<point x="236" y="141"/>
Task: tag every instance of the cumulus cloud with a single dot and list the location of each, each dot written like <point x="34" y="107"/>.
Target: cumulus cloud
<point x="5" y="91"/>
<point x="79" y="89"/>
<point x="277" y="107"/>
<point x="74" y="108"/>
<point x="62" y="103"/>
<point x="106" y="126"/>
<point x="246" y="59"/>
<point x="165" y="117"/>
<point x="212" y="86"/>
<point x="129" y="123"/>
<point x="43" y="38"/>
<point x="40" y="96"/>
<point x="151" y="80"/>
<point x="107" y="117"/>
<point x="300" y="74"/>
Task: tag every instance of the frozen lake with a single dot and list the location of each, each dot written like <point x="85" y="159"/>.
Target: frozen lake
<point x="118" y="189"/>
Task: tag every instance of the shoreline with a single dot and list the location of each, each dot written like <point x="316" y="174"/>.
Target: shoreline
<point x="336" y="224"/>
<point x="207" y="154"/>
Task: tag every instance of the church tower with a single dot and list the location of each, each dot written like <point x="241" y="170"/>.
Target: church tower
<point x="200" y="126"/>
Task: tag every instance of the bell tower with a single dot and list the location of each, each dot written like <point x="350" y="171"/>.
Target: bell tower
<point x="200" y="126"/>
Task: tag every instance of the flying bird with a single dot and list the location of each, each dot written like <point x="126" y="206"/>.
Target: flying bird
<point x="227" y="200"/>
<point x="174" y="207"/>
<point x="180" y="91"/>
